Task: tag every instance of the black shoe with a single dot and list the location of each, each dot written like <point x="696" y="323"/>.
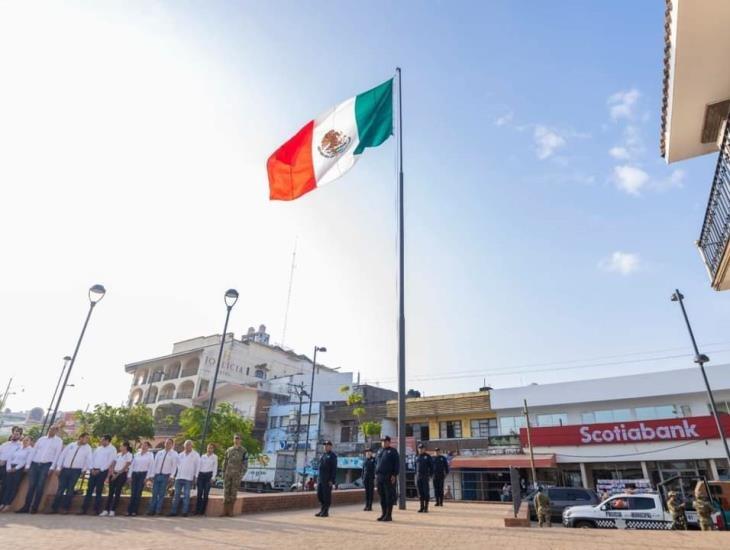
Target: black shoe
<point x="388" y="518"/>
<point x="22" y="511"/>
<point x="172" y="514"/>
<point x="185" y="514"/>
<point x="52" y="511"/>
<point x="318" y="514"/>
<point x="150" y="513"/>
<point x="325" y="515"/>
<point x="381" y="518"/>
<point x="34" y="511"/>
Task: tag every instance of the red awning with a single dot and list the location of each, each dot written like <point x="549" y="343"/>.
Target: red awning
<point x="502" y="461"/>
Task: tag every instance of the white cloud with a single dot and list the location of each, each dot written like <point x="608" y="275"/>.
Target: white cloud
<point x="623" y="263"/>
<point x="505" y="119"/>
<point x="630" y="179"/>
<point x="622" y="104"/>
<point x="547" y="142"/>
<point x="619" y="153"/>
<point x="674" y="181"/>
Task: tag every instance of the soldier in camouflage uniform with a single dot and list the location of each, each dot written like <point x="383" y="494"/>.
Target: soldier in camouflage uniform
<point x="676" y="508"/>
<point x="703" y="507"/>
<point x="234" y="466"/>
<point x="542" y="507"/>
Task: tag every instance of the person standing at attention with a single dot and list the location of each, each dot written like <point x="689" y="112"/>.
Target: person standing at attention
<point x="6" y="451"/>
<point x="45" y="453"/>
<point x="15" y="472"/>
<point x="387" y="468"/>
<point x="326" y="479"/>
<point x="188" y="466"/>
<point x="424" y="471"/>
<point x="74" y="460"/>
<point x="233" y="468"/>
<point x="440" y="471"/>
<point x="368" y="479"/>
<point x="165" y="465"/>
<point x="208" y="470"/>
<point x="102" y="462"/>
<point x="118" y="478"/>
<point x="142" y="466"/>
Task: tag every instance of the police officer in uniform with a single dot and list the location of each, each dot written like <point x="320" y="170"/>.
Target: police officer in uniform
<point x="234" y="465"/>
<point x="387" y="468"/>
<point x="424" y="471"/>
<point x="676" y="508"/>
<point x="368" y="479"/>
<point x="440" y="470"/>
<point x="326" y="479"/>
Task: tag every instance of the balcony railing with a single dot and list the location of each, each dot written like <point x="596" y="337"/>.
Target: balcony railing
<point x="713" y="240"/>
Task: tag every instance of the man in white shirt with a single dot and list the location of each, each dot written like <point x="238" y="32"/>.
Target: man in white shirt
<point x="164" y="466"/>
<point x="73" y="461"/>
<point x="141" y="469"/>
<point x="102" y="460"/>
<point x="7" y="450"/>
<point x="45" y="453"/>
<point x="188" y="465"/>
<point x="208" y="470"/>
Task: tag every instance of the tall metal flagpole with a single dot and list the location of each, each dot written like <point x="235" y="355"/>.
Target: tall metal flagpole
<point x="401" y="310"/>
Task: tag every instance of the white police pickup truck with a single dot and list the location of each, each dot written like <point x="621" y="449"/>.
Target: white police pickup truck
<point x="624" y="511"/>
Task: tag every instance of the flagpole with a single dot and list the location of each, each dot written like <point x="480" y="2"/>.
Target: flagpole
<point x="401" y="310"/>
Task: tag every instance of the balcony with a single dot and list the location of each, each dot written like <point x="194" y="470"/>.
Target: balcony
<point x="713" y="242"/>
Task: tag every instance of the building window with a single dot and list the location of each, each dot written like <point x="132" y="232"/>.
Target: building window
<point x="418" y="430"/>
<point x="348" y="432"/>
<point x="611" y="415"/>
<point x="484" y="427"/>
<point x="722" y="407"/>
<point x="203" y="388"/>
<point x="450" y="429"/>
<point x="510" y="425"/>
<point x="260" y="374"/>
<point x="660" y="411"/>
<point x="549" y="420"/>
<point x="274" y="421"/>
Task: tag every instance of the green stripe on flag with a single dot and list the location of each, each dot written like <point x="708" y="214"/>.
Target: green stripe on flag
<point x="374" y="116"/>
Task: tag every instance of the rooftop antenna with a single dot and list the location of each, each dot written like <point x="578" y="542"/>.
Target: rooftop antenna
<point x="288" y="295"/>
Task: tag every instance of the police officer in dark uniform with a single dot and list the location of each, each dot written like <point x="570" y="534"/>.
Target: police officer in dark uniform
<point x="424" y="471"/>
<point x="440" y="470"/>
<point x="326" y="479"/>
<point x="387" y="468"/>
<point x="368" y="479"/>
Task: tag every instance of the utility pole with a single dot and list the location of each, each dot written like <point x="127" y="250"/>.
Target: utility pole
<point x="526" y="412"/>
<point x="300" y="392"/>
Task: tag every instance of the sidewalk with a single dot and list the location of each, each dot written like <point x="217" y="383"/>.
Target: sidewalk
<point x="456" y="526"/>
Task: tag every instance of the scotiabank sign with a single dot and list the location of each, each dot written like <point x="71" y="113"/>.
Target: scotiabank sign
<point x="647" y="431"/>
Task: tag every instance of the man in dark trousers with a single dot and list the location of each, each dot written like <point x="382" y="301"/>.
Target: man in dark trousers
<point x="424" y="471"/>
<point x="440" y="470"/>
<point x="368" y="479"/>
<point x="387" y="468"/>
<point x="326" y="479"/>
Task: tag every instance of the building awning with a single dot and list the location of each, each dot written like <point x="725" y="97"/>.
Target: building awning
<point x="502" y="461"/>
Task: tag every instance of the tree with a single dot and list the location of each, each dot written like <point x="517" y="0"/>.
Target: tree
<point x="122" y="423"/>
<point x="371" y="430"/>
<point x="225" y="422"/>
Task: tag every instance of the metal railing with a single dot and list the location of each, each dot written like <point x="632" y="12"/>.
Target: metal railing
<point x="716" y="228"/>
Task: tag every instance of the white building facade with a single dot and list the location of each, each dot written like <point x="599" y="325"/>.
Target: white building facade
<point x="647" y="426"/>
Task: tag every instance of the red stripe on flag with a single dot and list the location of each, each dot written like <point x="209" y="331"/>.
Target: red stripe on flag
<point x="291" y="173"/>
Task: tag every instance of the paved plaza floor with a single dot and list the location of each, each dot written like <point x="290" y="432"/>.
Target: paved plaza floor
<point x="456" y="526"/>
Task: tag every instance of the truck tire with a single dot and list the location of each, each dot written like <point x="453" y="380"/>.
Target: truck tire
<point x="583" y="524"/>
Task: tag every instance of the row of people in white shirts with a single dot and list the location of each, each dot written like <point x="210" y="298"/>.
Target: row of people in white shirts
<point x="49" y="449"/>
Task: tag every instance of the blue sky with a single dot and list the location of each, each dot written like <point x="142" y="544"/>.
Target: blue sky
<point x="542" y="227"/>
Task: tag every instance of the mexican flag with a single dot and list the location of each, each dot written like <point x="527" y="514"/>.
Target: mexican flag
<point x="327" y="147"/>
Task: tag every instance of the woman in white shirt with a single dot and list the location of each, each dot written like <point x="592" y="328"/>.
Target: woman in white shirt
<point x="142" y="466"/>
<point x="15" y="470"/>
<point x="208" y="470"/>
<point x="118" y="478"/>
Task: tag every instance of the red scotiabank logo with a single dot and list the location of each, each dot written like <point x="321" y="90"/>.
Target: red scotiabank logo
<point x="671" y="429"/>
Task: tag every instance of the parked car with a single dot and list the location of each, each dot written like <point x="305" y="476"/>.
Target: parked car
<point x="627" y="511"/>
<point x="357" y="484"/>
<point x="563" y="497"/>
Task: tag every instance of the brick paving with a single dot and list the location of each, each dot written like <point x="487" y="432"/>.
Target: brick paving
<point x="456" y="526"/>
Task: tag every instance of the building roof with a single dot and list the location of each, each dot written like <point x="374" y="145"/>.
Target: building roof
<point x="129" y="367"/>
<point x="442" y="405"/>
<point x="633" y="386"/>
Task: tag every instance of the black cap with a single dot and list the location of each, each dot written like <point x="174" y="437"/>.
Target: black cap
<point x="328" y="442"/>
<point x="385" y="438"/>
<point x="437" y="449"/>
<point x="421" y="446"/>
<point x="368" y="450"/>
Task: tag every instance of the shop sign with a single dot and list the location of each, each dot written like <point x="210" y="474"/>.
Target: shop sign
<point x="647" y="431"/>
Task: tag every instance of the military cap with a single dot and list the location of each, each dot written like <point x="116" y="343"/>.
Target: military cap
<point x="328" y="442"/>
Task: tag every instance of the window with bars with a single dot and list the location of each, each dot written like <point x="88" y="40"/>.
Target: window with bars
<point x="484" y="427"/>
<point x="450" y="429"/>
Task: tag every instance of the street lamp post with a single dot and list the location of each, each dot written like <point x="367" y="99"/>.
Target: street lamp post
<point x="309" y="412"/>
<point x="701" y="359"/>
<point x="96" y="293"/>
<point x="301" y="392"/>
<point x="55" y="392"/>
<point x="230" y="298"/>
